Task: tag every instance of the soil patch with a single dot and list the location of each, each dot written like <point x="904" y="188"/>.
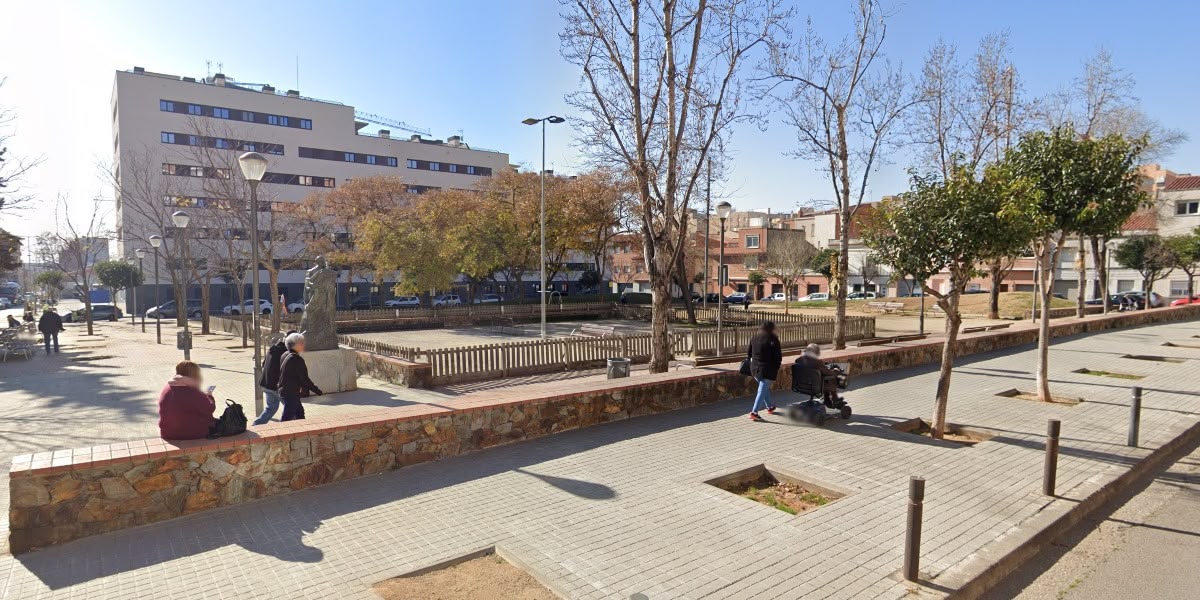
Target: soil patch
<point x="953" y="432"/>
<point x="784" y="492"/>
<point x="488" y="577"/>
<point x="1032" y="397"/>
<point x="1167" y="359"/>
<point x="1108" y="374"/>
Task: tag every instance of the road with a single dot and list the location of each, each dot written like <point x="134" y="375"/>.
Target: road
<point x="1147" y="548"/>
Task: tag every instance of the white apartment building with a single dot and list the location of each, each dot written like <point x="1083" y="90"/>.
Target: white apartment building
<point x="176" y="138"/>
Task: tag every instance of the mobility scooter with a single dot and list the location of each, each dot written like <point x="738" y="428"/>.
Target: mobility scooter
<point x="819" y="406"/>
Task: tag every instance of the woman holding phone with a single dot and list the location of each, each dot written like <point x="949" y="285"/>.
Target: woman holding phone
<point x="184" y="411"/>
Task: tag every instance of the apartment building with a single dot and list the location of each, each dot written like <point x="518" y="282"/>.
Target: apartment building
<point x="176" y="140"/>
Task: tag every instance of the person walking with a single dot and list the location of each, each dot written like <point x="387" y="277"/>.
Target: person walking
<point x="50" y="325"/>
<point x="293" y="378"/>
<point x="270" y="380"/>
<point x="766" y="356"/>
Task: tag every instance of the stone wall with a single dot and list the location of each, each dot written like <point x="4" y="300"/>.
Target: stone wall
<point x="394" y="370"/>
<point x="58" y="496"/>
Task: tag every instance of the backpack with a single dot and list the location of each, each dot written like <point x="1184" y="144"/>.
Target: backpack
<point x="232" y="421"/>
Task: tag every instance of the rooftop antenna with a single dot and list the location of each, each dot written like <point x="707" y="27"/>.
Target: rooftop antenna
<point x="207" y="69"/>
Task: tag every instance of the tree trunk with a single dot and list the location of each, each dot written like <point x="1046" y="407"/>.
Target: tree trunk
<point x="180" y="303"/>
<point x="1146" y="283"/>
<point x="273" y="276"/>
<point x="953" y="320"/>
<point x="241" y="301"/>
<point x="1081" y="270"/>
<point x="660" y="344"/>
<point x="997" y="275"/>
<point x="1100" y="255"/>
<point x="87" y="311"/>
<point x="1190" y="285"/>
<point x="205" y="296"/>
<point x="1045" y="285"/>
<point x="839" y="324"/>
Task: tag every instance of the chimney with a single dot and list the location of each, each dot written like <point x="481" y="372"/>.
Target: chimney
<point x="549" y="172"/>
<point x="267" y="89"/>
<point x="385" y="134"/>
<point x="293" y="93"/>
<point x="139" y="69"/>
<point x="219" y="79"/>
<point x="416" y="137"/>
<point x="454" y="140"/>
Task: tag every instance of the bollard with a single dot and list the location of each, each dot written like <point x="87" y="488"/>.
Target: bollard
<point x="1050" y="470"/>
<point x="1135" y="417"/>
<point x="912" y="530"/>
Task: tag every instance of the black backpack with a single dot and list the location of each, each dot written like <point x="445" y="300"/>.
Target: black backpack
<point x="232" y="421"/>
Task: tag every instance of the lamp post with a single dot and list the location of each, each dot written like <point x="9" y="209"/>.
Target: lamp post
<point x="155" y="242"/>
<point x="723" y="210"/>
<point x="542" y="284"/>
<point x="140" y="253"/>
<point x="707" y="229"/>
<point x="181" y="220"/>
<point x="254" y="166"/>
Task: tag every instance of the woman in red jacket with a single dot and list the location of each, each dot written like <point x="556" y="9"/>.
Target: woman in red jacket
<point x="185" y="412"/>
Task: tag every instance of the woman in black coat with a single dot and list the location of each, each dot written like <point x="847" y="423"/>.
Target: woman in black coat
<point x="765" y="356"/>
<point x="293" y="378"/>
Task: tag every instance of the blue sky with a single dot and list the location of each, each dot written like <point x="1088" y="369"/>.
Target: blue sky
<point x="480" y="66"/>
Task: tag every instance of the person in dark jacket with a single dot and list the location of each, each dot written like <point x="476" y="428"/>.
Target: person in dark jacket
<point x="811" y="359"/>
<point x="50" y="324"/>
<point x="185" y="412"/>
<point x="13" y="322"/>
<point x="766" y="356"/>
<point x="293" y="378"/>
<point x="270" y="380"/>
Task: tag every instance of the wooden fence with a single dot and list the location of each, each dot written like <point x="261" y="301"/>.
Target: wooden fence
<point x="733" y="315"/>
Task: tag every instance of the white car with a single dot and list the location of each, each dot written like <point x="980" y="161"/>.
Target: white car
<point x="818" y="297"/>
<point x="248" y="307"/>
<point x="488" y="299"/>
<point x="447" y="300"/>
<point x="296" y="307"/>
<point x="403" y="302"/>
<point x="776" y="297"/>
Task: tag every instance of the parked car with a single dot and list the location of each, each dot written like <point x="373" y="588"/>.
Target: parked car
<point x="295" y="307"/>
<point x="860" y="296"/>
<point x="166" y="310"/>
<point x="5" y="302"/>
<point x="817" y="297"/>
<point x="1114" y="300"/>
<point x="632" y="297"/>
<point x="1183" y="301"/>
<point x="975" y="291"/>
<point x="248" y="306"/>
<point x="488" y="299"/>
<point x="359" y="303"/>
<point x="100" y="312"/>
<point x="710" y="297"/>
<point x="776" y="297"/>
<point x="447" y="300"/>
<point x="738" y="298"/>
<point x="403" y="302"/>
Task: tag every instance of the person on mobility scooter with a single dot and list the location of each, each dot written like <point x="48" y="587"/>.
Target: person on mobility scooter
<point x="815" y="378"/>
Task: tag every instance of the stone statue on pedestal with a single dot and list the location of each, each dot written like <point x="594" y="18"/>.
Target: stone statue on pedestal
<point x="320" y="307"/>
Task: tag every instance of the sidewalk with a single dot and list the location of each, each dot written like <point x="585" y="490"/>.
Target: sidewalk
<point x="622" y="508"/>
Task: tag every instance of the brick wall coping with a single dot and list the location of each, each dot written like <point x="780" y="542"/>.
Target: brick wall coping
<point x="58" y="461"/>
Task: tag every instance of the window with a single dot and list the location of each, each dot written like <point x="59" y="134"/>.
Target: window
<point x="453" y="168"/>
<point x="194" y="109"/>
<point x="283" y="121"/>
<point x="220" y="113"/>
<point x="168" y="138"/>
<point x="435" y="166"/>
<point x="247" y="116"/>
<point x="640" y="269"/>
<point x="1179" y="287"/>
<point x="166" y="106"/>
<point x="305" y="180"/>
<point x="370" y="159"/>
<point x="272" y="120"/>
<point x="276" y="149"/>
<point x="412" y="164"/>
<point x="348" y="156"/>
<point x="222" y="143"/>
<point x="305" y="123"/>
<point x="1190" y="207"/>
<point x="222" y="173"/>
<point x="391" y="161"/>
<point x="752" y="241"/>
<point x="193" y="140"/>
<point x="329" y="182"/>
<point x="249" y="147"/>
<point x="751" y="261"/>
<point x="196" y="171"/>
<point x="470" y="170"/>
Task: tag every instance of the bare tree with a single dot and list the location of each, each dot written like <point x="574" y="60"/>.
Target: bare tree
<point x="845" y="101"/>
<point x="12" y="169"/>
<point x="787" y="261"/>
<point x="650" y="70"/>
<point x="75" y="246"/>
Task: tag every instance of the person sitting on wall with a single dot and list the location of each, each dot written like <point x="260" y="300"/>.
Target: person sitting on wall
<point x="811" y="359"/>
<point x="184" y="411"/>
<point x="13" y="322"/>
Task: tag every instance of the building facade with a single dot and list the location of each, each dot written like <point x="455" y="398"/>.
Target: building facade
<point x="175" y="147"/>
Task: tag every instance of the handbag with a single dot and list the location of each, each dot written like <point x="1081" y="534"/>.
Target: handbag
<point x="745" y="368"/>
<point x="232" y="421"/>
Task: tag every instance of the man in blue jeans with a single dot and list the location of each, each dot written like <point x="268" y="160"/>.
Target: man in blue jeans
<point x="270" y="381"/>
<point x="50" y="324"/>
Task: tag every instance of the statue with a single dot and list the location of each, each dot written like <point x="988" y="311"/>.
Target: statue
<point x="320" y="306"/>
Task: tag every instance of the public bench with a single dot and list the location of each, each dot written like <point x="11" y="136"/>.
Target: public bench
<point x="886" y="307"/>
<point x="594" y="331"/>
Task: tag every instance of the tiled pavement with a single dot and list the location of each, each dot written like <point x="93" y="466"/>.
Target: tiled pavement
<point x="611" y="510"/>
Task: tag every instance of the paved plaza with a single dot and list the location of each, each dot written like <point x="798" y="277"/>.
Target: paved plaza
<point x="617" y="509"/>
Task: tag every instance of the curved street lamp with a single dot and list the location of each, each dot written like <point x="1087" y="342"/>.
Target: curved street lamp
<point x="254" y="168"/>
<point x="156" y="242"/>
<point x="181" y="220"/>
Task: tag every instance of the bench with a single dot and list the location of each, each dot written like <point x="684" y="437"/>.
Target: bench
<point x="1000" y="326"/>
<point x="886" y="307"/>
<point x="875" y="342"/>
<point x="912" y="337"/>
<point x="593" y="331"/>
<point x="12" y="343"/>
<point x="974" y="329"/>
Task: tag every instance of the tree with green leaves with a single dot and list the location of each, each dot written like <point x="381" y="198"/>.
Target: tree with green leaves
<point x="822" y="264"/>
<point x="117" y="275"/>
<point x="953" y="226"/>
<point x="1185" y="249"/>
<point x="50" y="282"/>
<point x="10" y="251"/>
<point x="1150" y="256"/>
<point x="756" y="278"/>
<point x="1073" y="176"/>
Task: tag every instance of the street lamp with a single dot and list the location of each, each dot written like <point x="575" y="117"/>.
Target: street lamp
<point x="155" y="242"/>
<point x="723" y="210"/>
<point x="140" y="253"/>
<point x="254" y="166"/>
<point x="181" y="220"/>
<point x="542" y="285"/>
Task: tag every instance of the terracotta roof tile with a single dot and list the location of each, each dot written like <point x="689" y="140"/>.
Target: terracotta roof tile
<point x="1190" y="182"/>
<point x="1142" y="220"/>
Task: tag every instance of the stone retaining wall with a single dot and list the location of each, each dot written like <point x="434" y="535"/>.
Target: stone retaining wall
<point x="61" y="495"/>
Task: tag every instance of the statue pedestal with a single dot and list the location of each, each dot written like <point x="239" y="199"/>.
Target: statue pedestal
<point x="333" y="370"/>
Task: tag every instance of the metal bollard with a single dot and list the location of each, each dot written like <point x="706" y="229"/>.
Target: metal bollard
<point x="1050" y="469"/>
<point x="1135" y="417"/>
<point x="912" y="530"/>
